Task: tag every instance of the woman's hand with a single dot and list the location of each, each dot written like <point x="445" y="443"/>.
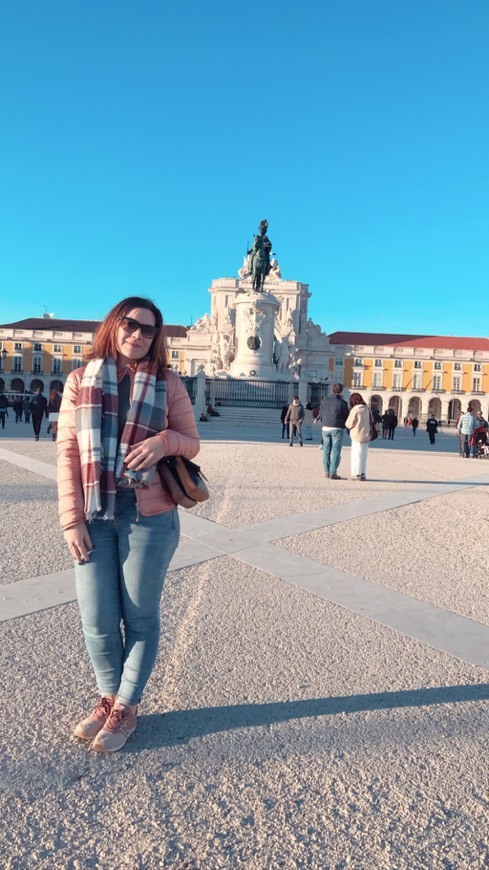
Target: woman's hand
<point x="145" y="454"/>
<point x="79" y="543"/>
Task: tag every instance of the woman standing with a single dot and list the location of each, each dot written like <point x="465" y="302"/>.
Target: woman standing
<point x="119" y="416"/>
<point x="54" y="404"/>
<point x="358" y="423"/>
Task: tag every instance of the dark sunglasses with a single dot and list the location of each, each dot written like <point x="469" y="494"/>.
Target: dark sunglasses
<point x="129" y="325"/>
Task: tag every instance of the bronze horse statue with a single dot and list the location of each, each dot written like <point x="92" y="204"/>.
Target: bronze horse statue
<point x="259" y="257"/>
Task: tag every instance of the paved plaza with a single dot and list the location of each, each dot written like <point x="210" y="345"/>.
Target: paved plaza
<point x="321" y="696"/>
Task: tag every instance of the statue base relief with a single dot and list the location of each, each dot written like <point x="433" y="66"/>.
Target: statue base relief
<point x="255" y="325"/>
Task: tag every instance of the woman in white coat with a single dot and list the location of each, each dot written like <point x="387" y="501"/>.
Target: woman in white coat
<point x="358" y="423"/>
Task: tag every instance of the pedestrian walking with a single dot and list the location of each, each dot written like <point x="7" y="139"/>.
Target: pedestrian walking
<point x="391" y="424"/>
<point x="26" y="407"/>
<point x="3" y="409"/>
<point x="54" y="404"/>
<point x="466" y="426"/>
<point x="17" y="408"/>
<point x="414" y="425"/>
<point x="120" y="415"/>
<point x="333" y="412"/>
<point x="294" y="417"/>
<point x="358" y="423"/>
<point x="38" y="405"/>
<point x="432" y="428"/>
<point x="285" y="426"/>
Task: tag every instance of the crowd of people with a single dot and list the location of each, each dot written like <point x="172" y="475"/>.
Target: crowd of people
<point x="33" y="409"/>
<point x="356" y="418"/>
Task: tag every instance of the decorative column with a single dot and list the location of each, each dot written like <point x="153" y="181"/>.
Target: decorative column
<point x="200" y="406"/>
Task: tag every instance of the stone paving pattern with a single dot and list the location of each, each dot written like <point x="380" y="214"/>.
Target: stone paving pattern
<point x="279" y="729"/>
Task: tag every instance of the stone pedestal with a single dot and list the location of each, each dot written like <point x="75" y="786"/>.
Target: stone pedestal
<point x="255" y="323"/>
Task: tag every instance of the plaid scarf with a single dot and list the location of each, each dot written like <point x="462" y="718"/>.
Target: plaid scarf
<point x="102" y="458"/>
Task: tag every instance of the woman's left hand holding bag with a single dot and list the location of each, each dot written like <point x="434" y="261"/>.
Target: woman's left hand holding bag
<point x="145" y="454"/>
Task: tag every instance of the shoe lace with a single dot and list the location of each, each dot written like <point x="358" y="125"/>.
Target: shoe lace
<point x="103" y="707"/>
<point x="117" y="715"/>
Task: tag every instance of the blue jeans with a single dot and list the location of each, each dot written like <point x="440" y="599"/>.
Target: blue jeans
<point x="123" y="582"/>
<point x="332" y="441"/>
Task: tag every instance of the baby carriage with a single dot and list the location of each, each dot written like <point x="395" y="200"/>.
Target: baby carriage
<point x="479" y="443"/>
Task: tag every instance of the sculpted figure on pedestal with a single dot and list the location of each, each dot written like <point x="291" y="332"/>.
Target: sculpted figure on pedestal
<point x="259" y="257"/>
<point x="282" y="353"/>
<point x="203" y="324"/>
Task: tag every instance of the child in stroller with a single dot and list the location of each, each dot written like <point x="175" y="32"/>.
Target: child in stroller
<point x="479" y="441"/>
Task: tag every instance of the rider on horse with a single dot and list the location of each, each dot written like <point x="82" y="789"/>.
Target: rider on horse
<point x="259" y="255"/>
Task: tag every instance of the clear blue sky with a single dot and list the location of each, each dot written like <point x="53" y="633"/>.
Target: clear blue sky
<point x="142" y="143"/>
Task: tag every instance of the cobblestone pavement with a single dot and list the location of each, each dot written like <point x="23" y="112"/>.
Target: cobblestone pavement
<point x="321" y="695"/>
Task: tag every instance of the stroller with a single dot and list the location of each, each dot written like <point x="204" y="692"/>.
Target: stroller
<point x="479" y="443"/>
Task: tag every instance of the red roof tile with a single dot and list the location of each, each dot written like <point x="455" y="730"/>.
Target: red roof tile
<point x="387" y="339"/>
<point x="50" y="323"/>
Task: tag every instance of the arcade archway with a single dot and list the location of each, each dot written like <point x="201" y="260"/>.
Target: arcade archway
<point x="17" y="385"/>
<point x="434" y="408"/>
<point x="454" y="410"/>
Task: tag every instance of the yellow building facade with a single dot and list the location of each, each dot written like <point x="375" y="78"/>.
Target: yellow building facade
<point x="414" y="375"/>
<point x="43" y="351"/>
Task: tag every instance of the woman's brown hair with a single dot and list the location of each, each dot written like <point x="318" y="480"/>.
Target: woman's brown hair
<point x="356" y="399"/>
<point x="105" y="341"/>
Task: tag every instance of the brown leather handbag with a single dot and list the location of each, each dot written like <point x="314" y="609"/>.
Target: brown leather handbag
<point x="184" y="479"/>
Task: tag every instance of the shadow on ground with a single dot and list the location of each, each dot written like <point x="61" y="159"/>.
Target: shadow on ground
<point x="171" y="729"/>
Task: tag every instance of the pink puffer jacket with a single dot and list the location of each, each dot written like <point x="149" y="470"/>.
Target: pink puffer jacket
<point x="180" y="438"/>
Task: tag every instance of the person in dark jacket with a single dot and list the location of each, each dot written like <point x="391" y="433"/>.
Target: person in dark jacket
<point x="285" y="426"/>
<point x="3" y="409"/>
<point x="17" y="408"/>
<point x="333" y="413"/>
<point x="391" y="424"/>
<point x="414" y="424"/>
<point x="38" y="406"/>
<point x="432" y="428"/>
<point x="26" y="405"/>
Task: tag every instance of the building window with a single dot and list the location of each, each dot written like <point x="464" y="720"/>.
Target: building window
<point x="18" y="345"/>
<point x="477" y="367"/>
<point x="76" y="363"/>
<point x="397" y="381"/>
<point x="357" y="362"/>
<point x="175" y="354"/>
<point x="476" y="385"/>
<point x="378" y="363"/>
<point x="457" y="384"/>
<point x="436" y="382"/>
<point x="357" y="379"/>
<point x="418" y="364"/>
<point x="457" y="367"/>
<point x="377" y="379"/>
<point x="17" y="364"/>
<point x="36" y="366"/>
<point x="437" y="366"/>
<point x="57" y="348"/>
<point x="38" y="347"/>
<point x="56" y="366"/>
<point x="416" y="382"/>
<point x="77" y="348"/>
<point x="338" y="362"/>
<point x="398" y="363"/>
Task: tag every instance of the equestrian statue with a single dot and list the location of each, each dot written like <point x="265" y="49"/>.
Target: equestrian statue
<point x="259" y="257"/>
